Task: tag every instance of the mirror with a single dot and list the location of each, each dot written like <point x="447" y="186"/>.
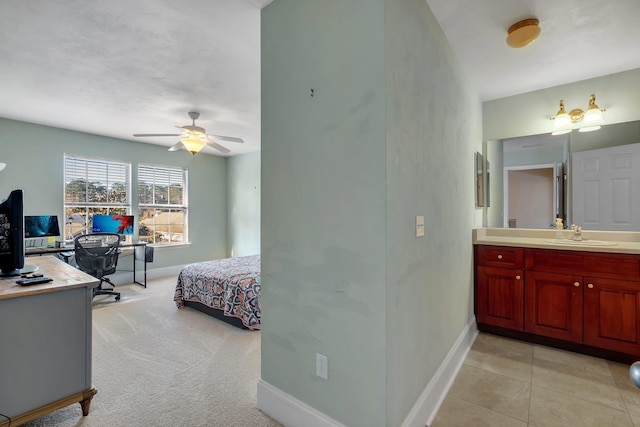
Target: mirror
<point x="536" y="152"/>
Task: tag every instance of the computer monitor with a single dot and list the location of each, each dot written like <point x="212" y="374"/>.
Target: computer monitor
<point x="120" y="224"/>
<point x="41" y="226"/>
<point x="12" y="234"/>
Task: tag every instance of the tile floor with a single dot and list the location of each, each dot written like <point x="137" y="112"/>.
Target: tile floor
<point x="509" y="383"/>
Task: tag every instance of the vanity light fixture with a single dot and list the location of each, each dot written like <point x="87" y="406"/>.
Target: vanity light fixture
<point x="592" y="119"/>
<point x="523" y="33"/>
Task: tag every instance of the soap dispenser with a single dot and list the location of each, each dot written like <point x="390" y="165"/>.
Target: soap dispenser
<point x="559" y="228"/>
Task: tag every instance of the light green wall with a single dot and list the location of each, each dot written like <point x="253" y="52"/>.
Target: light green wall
<point x="244" y="204"/>
<point x="389" y="134"/>
<point x="433" y="130"/>
<point x="35" y="163"/>
<point x="323" y="205"/>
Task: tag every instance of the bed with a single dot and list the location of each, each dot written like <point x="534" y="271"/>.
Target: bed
<point x="228" y="289"/>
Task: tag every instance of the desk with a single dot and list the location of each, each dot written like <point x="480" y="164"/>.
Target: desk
<point x="139" y="254"/>
<point x="45" y="331"/>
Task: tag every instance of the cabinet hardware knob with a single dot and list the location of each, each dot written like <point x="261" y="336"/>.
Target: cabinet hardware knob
<point x="517" y="277"/>
<point x="590" y="286"/>
<point x="499" y="256"/>
<point x="576" y="284"/>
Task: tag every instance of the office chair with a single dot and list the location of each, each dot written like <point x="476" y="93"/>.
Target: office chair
<point x="97" y="255"/>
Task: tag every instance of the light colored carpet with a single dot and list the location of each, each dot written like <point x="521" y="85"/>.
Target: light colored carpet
<point x="156" y="365"/>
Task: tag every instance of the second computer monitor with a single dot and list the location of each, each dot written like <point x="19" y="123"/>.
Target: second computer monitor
<point x="41" y="226"/>
<point x="120" y="224"/>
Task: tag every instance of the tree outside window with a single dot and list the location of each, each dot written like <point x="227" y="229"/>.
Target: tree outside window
<point x="94" y="187"/>
<point x="162" y="204"/>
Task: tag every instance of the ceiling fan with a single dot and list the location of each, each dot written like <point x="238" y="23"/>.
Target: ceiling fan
<point x="194" y="138"/>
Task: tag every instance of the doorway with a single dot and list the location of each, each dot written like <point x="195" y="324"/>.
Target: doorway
<point x="531" y="195"/>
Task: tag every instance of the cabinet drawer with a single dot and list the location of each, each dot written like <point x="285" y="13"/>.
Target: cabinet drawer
<point x="500" y="256"/>
<point x="606" y="265"/>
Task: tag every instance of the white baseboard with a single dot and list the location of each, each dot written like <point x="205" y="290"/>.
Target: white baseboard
<point x="158" y="273"/>
<point x="425" y="409"/>
<point x="291" y="412"/>
<point x="288" y="410"/>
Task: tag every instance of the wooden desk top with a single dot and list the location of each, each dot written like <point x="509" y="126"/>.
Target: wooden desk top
<point x="64" y="277"/>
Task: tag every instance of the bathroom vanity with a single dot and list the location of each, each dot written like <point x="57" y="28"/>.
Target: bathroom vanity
<point x="540" y="287"/>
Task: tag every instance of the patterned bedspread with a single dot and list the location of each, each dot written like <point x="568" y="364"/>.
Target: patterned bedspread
<point x="230" y="284"/>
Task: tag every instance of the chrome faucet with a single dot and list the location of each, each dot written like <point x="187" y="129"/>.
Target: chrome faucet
<point x="577" y="233"/>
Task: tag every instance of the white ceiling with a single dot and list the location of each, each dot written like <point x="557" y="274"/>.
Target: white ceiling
<point x="579" y="39"/>
<point x="121" y="67"/>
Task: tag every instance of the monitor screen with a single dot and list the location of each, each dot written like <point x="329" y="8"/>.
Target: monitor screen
<point x="41" y="226"/>
<point x="11" y="235"/>
<point x="120" y="224"/>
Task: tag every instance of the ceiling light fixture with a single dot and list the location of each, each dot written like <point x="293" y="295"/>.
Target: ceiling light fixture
<point x="523" y="33"/>
<point x="2" y="166"/>
<point x="592" y="119"/>
<point x="193" y="144"/>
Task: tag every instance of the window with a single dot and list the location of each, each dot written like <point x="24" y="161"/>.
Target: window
<point x="94" y="187"/>
<point x="162" y="204"/>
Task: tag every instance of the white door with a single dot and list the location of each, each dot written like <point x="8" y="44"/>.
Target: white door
<point x="605" y="187"/>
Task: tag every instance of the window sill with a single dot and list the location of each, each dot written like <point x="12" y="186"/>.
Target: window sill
<point x="168" y="246"/>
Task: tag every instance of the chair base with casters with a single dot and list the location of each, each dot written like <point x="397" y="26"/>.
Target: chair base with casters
<point x="99" y="290"/>
<point x="97" y="255"/>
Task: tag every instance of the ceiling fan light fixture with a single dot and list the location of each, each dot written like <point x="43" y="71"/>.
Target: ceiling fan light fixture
<point x="194" y="138"/>
<point x="523" y="33"/>
<point x="193" y="144"/>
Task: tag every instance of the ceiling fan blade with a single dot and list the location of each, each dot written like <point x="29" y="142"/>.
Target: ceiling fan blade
<point x="178" y="146"/>
<point x="157" y="134"/>
<point x="219" y="147"/>
<point x="226" y="138"/>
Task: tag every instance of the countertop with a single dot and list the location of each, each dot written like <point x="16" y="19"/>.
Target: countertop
<point x="64" y="277"/>
<point x="623" y="242"/>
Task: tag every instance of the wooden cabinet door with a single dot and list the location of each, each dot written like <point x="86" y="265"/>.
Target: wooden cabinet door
<point x="499" y="297"/>
<point x="612" y="315"/>
<point x="553" y="305"/>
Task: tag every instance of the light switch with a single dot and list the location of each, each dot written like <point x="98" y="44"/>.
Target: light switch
<point x="419" y="226"/>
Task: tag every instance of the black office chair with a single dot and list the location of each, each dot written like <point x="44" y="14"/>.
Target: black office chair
<point x="97" y="255"/>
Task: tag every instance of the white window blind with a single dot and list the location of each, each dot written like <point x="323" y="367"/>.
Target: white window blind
<point x="96" y="182"/>
<point x="162" y="204"/>
<point x="92" y="187"/>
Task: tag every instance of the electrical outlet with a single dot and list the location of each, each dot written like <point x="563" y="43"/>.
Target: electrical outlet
<point x="322" y="366"/>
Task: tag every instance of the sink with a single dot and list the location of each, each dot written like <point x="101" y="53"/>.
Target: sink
<point x="585" y="242"/>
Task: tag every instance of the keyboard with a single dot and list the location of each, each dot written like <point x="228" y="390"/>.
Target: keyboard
<point x="33" y="281"/>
